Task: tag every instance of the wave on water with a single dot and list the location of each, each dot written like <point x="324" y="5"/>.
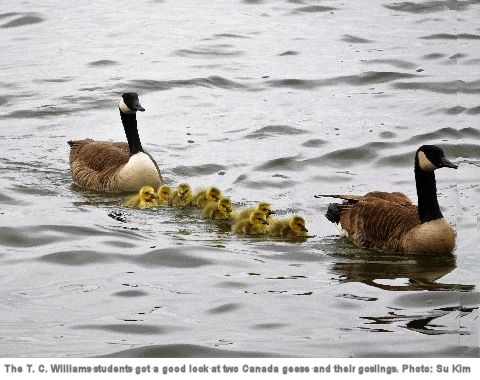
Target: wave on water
<point x="23" y="19"/>
<point x="430" y="6"/>
<point x="447" y="36"/>
<point x="275" y="130"/>
<point x="354" y="39"/>
<point x="186" y="351"/>
<point x="314" y="9"/>
<point x="452" y="87"/>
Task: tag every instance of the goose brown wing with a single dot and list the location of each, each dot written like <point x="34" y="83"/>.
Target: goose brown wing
<point x="395" y="197"/>
<point x="377" y="223"/>
<point x="94" y="163"/>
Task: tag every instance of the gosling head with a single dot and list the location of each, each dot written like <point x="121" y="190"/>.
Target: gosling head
<point x="225" y="204"/>
<point x="146" y="193"/>
<point x="130" y="104"/>
<point x="430" y="158"/>
<point x="265" y="208"/>
<point x="184" y="190"/>
<point x="258" y="217"/>
<point x="297" y="224"/>
<point x="213" y="194"/>
<point x="164" y="192"/>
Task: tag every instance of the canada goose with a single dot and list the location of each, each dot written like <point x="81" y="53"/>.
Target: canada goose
<point x="115" y="166"/>
<point x="263" y="207"/>
<point x="256" y="224"/>
<point x="221" y="210"/>
<point x="144" y="198"/>
<point x="164" y="195"/>
<point x="291" y="227"/>
<point x="390" y="223"/>
<point x="182" y="196"/>
<point x="205" y="196"/>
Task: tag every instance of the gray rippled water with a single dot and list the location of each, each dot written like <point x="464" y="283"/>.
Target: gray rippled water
<point x="270" y="100"/>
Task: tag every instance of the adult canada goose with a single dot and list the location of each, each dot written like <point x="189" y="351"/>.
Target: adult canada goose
<point x="115" y="166"/>
<point x="390" y="223"/>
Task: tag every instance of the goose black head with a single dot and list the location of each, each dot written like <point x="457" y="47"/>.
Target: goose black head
<point x="130" y="104"/>
<point x="431" y="157"/>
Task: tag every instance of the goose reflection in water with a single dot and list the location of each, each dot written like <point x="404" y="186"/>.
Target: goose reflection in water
<point x="399" y="273"/>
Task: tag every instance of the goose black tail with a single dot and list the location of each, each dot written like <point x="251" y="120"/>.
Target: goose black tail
<point x="333" y="212"/>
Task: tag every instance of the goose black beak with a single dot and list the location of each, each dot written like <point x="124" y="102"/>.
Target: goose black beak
<point x="447" y="164"/>
<point x="137" y="106"/>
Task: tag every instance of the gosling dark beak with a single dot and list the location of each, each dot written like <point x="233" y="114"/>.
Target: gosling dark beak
<point x="264" y="222"/>
<point x="304" y="229"/>
<point x="270" y="213"/>
<point x="447" y="164"/>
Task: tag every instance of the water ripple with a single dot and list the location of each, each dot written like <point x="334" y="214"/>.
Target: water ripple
<point x="24" y="19"/>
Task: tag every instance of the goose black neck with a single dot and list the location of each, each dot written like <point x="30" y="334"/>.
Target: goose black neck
<point x="428" y="208"/>
<point x="129" y="122"/>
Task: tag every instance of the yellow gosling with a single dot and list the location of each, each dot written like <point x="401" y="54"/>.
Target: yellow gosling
<point x="262" y="207"/>
<point x="205" y="196"/>
<point x="291" y="227"/>
<point x="221" y="210"/>
<point x="144" y="198"/>
<point x="182" y="196"/>
<point x="256" y="224"/>
<point x="164" y="195"/>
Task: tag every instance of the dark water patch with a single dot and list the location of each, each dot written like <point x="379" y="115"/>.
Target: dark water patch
<point x="369" y="77"/>
<point x="230" y="35"/>
<point x="453" y="110"/>
<point x="282" y="163"/>
<point x="475" y="61"/>
<point x="187" y="351"/>
<point x="288" y="52"/>
<point x="358" y="298"/>
<point x="172" y="258"/>
<point x="33" y="190"/>
<point x="131" y="293"/>
<point x="451" y="87"/>
<point x="350" y="156"/>
<point x="387" y="135"/>
<point x="314" y="143"/>
<point x="3" y="100"/>
<point x="26" y="19"/>
<point x="55" y="80"/>
<point x="127" y="328"/>
<point x="354" y="39"/>
<point x="263" y="184"/>
<point x="232" y="284"/>
<point x="314" y="9"/>
<point x="199" y="170"/>
<point x="474" y="110"/>
<point x="459" y="299"/>
<point x="252" y="1"/>
<point x="457" y="56"/>
<point x="447" y="36"/>
<point x="76" y="258"/>
<point x="430" y="6"/>
<point x="394" y="62"/>
<point x="446" y="133"/>
<point x="102" y="62"/>
<point x="210" y="82"/>
<point x="226" y="308"/>
<point x="275" y="130"/>
<point x="433" y="56"/>
<point x="8" y="14"/>
<point x="268" y="326"/>
<point x="458" y="351"/>
<point x="208" y="52"/>
<point x="5" y="199"/>
<point x="49" y="111"/>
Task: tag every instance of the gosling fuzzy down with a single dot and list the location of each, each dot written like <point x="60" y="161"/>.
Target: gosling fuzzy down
<point x="182" y="196"/>
<point x="145" y="198"/>
<point x="115" y="166"/>
<point x="256" y="224"/>
<point x="390" y="223"/>
<point x="291" y="227"/>
<point x="263" y="207"/>
<point x="205" y="196"/>
<point x="164" y="195"/>
<point x="221" y="210"/>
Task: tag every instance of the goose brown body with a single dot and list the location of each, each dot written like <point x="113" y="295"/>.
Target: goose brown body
<point x="391" y="223"/>
<point x="115" y="166"/>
